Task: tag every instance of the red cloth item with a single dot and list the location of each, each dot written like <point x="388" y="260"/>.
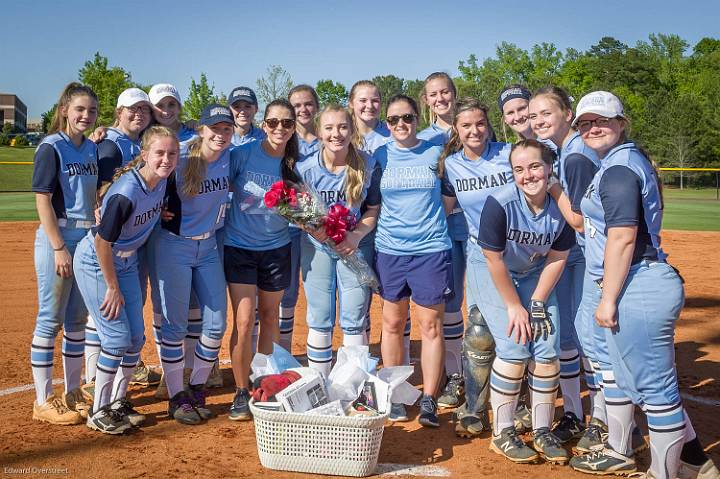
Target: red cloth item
<point x="265" y="387"/>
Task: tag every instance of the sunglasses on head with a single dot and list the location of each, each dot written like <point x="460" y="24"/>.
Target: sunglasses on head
<point x="285" y="122"/>
<point x="406" y="118"/>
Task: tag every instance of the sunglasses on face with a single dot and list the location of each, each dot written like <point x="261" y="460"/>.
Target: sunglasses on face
<point x="285" y="122"/>
<point x="406" y="118"/>
<point x="586" y="125"/>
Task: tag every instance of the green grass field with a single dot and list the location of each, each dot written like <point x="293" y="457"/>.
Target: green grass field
<point x="689" y="209"/>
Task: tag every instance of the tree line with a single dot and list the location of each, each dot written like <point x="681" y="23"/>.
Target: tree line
<point x="671" y="91"/>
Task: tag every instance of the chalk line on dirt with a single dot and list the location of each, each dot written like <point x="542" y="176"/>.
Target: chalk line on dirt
<point x="389" y="469"/>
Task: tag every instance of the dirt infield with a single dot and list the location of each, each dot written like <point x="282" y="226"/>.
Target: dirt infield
<point x="222" y="448"/>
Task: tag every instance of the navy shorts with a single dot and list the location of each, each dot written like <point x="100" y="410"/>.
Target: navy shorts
<point x="426" y="278"/>
<point x="269" y="269"/>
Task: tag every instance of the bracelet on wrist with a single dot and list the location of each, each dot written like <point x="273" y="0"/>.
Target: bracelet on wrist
<point x="60" y="248"/>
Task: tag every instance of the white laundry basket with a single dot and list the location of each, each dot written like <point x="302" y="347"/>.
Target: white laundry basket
<point x="342" y="446"/>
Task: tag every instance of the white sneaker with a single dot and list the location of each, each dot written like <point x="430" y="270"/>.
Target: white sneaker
<point x="706" y="471"/>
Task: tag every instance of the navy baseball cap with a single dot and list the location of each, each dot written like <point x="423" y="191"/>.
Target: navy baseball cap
<point x="511" y="92"/>
<point x="242" y="93"/>
<point x="216" y="113"/>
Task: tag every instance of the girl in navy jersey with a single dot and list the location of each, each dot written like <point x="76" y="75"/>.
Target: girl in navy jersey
<point x="107" y="270"/>
<point x="412" y="250"/>
<point x="438" y="94"/>
<point x="636" y="300"/>
<point x="551" y="114"/>
<point x="196" y="200"/>
<point x="257" y="243"/>
<point x="339" y="173"/>
<point x="525" y="242"/>
<point x="64" y="181"/>
<point x="473" y="168"/>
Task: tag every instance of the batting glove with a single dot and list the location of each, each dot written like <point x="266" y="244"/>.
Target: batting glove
<point x="540" y="324"/>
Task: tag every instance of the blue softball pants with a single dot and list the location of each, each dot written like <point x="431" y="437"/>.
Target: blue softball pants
<point x="59" y="300"/>
<point x="324" y="276"/>
<point x="126" y="333"/>
<point x="182" y="265"/>
<point x="494" y="311"/>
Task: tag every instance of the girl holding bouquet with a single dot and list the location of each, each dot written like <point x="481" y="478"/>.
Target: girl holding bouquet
<point x="341" y="175"/>
<point x="257" y="243"/>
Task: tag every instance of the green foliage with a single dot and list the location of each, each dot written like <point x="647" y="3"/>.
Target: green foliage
<point x="275" y="84"/>
<point x="7" y="128"/>
<point x="47" y="118"/>
<point x="201" y="95"/>
<point x="107" y="82"/>
<point x="21" y="140"/>
<point x="331" y="92"/>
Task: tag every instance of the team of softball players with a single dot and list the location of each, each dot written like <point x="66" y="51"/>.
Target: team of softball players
<point x="557" y="237"/>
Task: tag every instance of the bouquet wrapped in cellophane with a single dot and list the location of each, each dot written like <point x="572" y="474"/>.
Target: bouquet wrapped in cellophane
<point x="303" y="207"/>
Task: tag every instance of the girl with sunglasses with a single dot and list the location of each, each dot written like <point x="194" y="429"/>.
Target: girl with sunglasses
<point x="340" y="174"/>
<point x="519" y="255"/>
<point x="412" y="246"/>
<point x="257" y="243"/>
<point x="438" y="94"/>
<point x="635" y="297"/>
<point x="550" y="115"/>
<point x="473" y="167"/>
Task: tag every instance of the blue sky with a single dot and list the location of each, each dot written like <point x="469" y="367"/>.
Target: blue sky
<point x="45" y="43"/>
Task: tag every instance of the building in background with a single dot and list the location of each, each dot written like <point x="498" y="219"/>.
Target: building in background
<point x="13" y="111"/>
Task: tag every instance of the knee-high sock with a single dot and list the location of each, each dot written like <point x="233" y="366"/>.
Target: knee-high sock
<point x="406" y="341"/>
<point x="593" y="378"/>
<point x="620" y="411"/>
<point x="256" y="330"/>
<point x="92" y="349"/>
<point x="73" y="346"/>
<point x="107" y="368"/>
<point x="319" y="350"/>
<point x="157" y="333"/>
<point x="193" y="334"/>
<point x="570" y="382"/>
<point x="122" y="377"/>
<point x="287" y="324"/>
<point x="41" y="360"/>
<point x="543" y="381"/>
<point x="206" y="352"/>
<point x="354" y="339"/>
<point x="453" y="328"/>
<point x="505" y="380"/>
<point x="171" y="357"/>
<point x="666" y="423"/>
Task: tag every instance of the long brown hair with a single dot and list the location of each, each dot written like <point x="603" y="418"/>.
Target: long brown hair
<point x="71" y="90"/>
<point x="454" y="144"/>
<point x="147" y="139"/>
<point x="292" y="151"/>
<point x="355" y="169"/>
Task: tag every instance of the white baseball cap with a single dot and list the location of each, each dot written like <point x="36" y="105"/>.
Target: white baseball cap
<point x="162" y="90"/>
<point x="601" y="103"/>
<point x="132" y="96"/>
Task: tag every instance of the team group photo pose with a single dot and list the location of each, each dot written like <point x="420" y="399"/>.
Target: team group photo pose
<point x="530" y="271"/>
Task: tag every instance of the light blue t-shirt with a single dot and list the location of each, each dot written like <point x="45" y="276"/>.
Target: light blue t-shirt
<point x="128" y="147"/>
<point x="69" y="173"/>
<point x="376" y="138"/>
<point x="473" y="181"/>
<point x="185" y="134"/>
<point x="412" y="218"/>
<point x="204" y="212"/>
<point x="624" y="192"/>
<point x="435" y="135"/>
<point x="255" y="134"/>
<point x="306" y="149"/>
<point x="249" y="223"/>
<point x="508" y="225"/>
<point x="130" y="211"/>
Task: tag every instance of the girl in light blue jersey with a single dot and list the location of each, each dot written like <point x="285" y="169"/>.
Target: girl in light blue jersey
<point x="514" y="101"/>
<point x="196" y="202"/>
<point x="412" y="249"/>
<point x="636" y="297"/>
<point x="167" y="110"/>
<point x="107" y="270"/>
<point x="244" y="105"/>
<point x="339" y="174"/>
<point x="473" y="168"/>
<point x="257" y="243"/>
<point x="524" y="244"/>
<point x="65" y="182"/>
<point x="364" y="102"/>
<point x="438" y="95"/>
<point x="550" y="113"/>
